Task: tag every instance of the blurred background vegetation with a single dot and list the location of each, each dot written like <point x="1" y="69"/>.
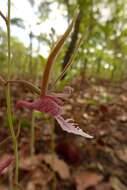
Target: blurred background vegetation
<point x="102" y="54"/>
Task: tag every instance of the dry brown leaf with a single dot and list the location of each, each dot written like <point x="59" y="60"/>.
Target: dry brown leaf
<point x="123" y="98"/>
<point x="29" y="163"/>
<point x="2" y="187"/>
<point x="116" y="184"/>
<point x="103" y="186"/>
<point x="124" y="85"/>
<point x="57" y="165"/>
<point x="30" y="186"/>
<point x="67" y="107"/>
<point x="81" y="100"/>
<point x="122" y="154"/>
<point x="87" y="179"/>
<point x="40" y="177"/>
<point x="122" y="118"/>
<point x="3" y="160"/>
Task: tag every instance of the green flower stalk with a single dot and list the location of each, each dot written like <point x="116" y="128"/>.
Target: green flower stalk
<point x="8" y="97"/>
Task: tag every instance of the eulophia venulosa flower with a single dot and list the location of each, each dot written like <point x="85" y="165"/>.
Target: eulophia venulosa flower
<point x="53" y="106"/>
<point x="52" y="103"/>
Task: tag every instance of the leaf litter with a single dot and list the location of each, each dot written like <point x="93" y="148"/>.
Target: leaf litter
<point x="101" y="163"/>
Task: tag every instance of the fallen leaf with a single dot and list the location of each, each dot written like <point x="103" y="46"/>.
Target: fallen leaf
<point x="2" y="187"/>
<point x="40" y="177"/>
<point x="57" y="165"/>
<point x="122" y="118"/>
<point x="5" y="162"/>
<point x="124" y="85"/>
<point x="103" y="186"/>
<point x="116" y="184"/>
<point x="122" y="154"/>
<point x="80" y="100"/>
<point x="29" y="163"/>
<point x="30" y="186"/>
<point x="67" y="108"/>
<point x="123" y="98"/>
<point x="87" y="179"/>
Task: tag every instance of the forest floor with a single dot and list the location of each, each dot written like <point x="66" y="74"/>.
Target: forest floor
<point x="66" y="161"/>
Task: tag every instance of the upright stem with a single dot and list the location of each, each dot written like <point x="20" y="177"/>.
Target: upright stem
<point x="54" y="183"/>
<point x="32" y="135"/>
<point x="32" y="141"/>
<point x="8" y="97"/>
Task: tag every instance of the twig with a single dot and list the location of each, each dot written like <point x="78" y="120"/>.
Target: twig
<point x="26" y="83"/>
<point x="3" y="82"/>
<point x="9" y="137"/>
<point x="4" y="18"/>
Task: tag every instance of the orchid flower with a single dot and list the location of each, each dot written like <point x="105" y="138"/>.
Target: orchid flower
<point x="5" y="164"/>
<point x="51" y="103"/>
